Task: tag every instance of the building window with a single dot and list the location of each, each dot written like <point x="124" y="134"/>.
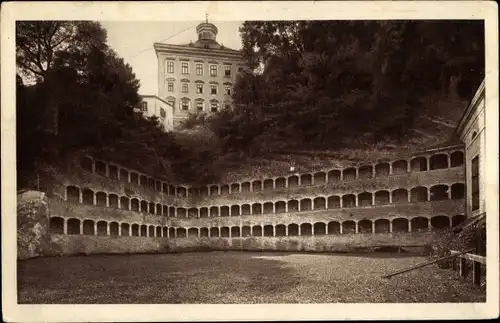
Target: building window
<point x="213" y="70"/>
<point x="185" y="67"/>
<point x="170" y="67"/>
<point x="199" y="105"/>
<point x="214" y="106"/>
<point x="475" y="183"/>
<point x="163" y="114"/>
<point x="227" y="71"/>
<point x="144" y="106"/>
<point x="185" y="88"/>
<point x="170" y="86"/>
<point x="227" y="90"/>
<point x="199" y="69"/>
<point x="213" y="89"/>
<point x="199" y="88"/>
<point x="184" y="105"/>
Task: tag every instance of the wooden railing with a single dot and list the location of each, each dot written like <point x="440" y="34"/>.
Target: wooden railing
<point x="462" y="262"/>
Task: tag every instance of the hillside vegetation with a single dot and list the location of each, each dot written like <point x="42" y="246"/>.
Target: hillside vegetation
<point x="351" y="90"/>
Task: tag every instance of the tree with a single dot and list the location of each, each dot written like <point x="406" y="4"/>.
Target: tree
<point x="316" y="84"/>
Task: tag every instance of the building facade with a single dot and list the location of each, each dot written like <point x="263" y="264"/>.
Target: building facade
<point x="100" y="207"/>
<point x="151" y="105"/>
<point x="471" y="130"/>
<point x="197" y="76"/>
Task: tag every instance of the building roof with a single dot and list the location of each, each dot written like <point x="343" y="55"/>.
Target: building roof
<point x="200" y="47"/>
<point x="471" y="108"/>
<point x="155" y="97"/>
<point x="206" y="45"/>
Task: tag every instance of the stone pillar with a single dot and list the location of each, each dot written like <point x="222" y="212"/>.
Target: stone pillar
<point x="448" y="159"/>
<point x="326" y="177"/>
<point x="274" y="183"/>
<point x="274" y="208"/>
<point x="95" y="228"/>
<point x="119" y="229"/>
<point x="326" y="229"/>
<point x="357" y="172"/>
<point x="286" y="230"/>
<point x="312" y="179"/>
<point x="373" y="227"/>
<point x="274" y="230"/>
<point x="326" y="203"/>
<point x="286" y="207"/>
<point x="390" y="197"/>
<point x="373" y="171"/>
<point x="409" y="196"/>
<point x="340" y="201"/>
<point x="390" y="226"/>
<point x="408" y="166"/>
<point x="130" y="230"/>
<point x="299" y="231"/>
<point x="409" y="225"/>
<point x="390" y="168"/>
<point x="229" y="210"/>
<point x="429" y="224"/>
<point x="342" y="175"/>
<point x="108" y="229"/>
<point x="312" y="229"/>
<point x="80" y="196"/>
<point x="356" y="202"/>
<point x="357" y="227"/>
<point x="65" y="226"/>
<point x="428" y="194"/>
<point x="449" y="192"/>
<point x="119" y="202"/>
<point x="81" y="227"/>
<point x="373" y="198"/>
<point x="299" y="182"/>
<point x="340" y="230"/>
<point x="428" y="161"/>
<point x="107" y="200"/>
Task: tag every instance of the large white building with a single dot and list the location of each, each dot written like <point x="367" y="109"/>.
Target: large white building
<point x="198" y="76"/>
<point x="152" y="105"/>
<point x="471" y="129"/>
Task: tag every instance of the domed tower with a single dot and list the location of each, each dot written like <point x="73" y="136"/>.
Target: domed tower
<point x="207" y="34"/>
<point x="206" y="31"/>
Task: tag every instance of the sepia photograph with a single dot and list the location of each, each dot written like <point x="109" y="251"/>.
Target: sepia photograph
<point x="250" y="158"/>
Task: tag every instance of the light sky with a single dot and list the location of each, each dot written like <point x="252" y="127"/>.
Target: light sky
<point x="134" y="42"/>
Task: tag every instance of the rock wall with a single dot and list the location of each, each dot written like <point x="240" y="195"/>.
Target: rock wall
<point x="82" y="244"/>
<point x="32" y="224"/>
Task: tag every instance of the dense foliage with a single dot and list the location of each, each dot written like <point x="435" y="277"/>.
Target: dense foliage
<point x="74" y="94"/>
<point x="320" y="84"/>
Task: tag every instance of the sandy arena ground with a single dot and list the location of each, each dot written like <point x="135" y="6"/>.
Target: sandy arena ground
<point x="237" y="277"/>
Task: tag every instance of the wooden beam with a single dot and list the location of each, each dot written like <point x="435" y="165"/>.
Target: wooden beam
<point x="428" y="263"/>
<point x="472" y="257"/>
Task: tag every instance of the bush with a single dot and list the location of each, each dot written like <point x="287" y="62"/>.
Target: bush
<point x="448" y="240"/>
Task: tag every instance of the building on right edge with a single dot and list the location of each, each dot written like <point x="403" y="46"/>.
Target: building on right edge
<point x="471" y="129"/>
